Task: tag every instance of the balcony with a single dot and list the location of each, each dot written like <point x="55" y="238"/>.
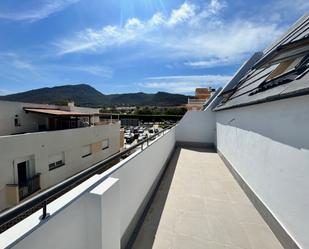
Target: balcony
<point x="15" y="193"/>
<point x="196" y="101"/>
<point x="195" y="104"/>
<point x="199" y="204"/>
<point x="29" y="187"/>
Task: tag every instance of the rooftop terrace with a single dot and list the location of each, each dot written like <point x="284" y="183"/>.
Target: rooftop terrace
<point x="200" y="205"/>
<point x="169" y="195"/>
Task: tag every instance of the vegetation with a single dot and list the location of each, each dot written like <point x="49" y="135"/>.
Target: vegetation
<point x="148" y="110"/>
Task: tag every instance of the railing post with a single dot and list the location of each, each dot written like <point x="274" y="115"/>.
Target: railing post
<point x="45" y="214"/>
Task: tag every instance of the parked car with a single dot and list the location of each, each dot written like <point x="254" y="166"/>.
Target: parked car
<point x="141" y="138"/>
<point x="130" y="139"/>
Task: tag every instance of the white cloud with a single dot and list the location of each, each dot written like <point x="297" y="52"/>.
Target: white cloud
<point x="227" y="41"/>
<point x="215" y="6"/>
<point x="134" y="23"/>
<point x="183" y="14"/>
<point x="15" y="61"/>
<point x="192" y="33"/>
<point x="184" y="84"/>
<point x="133" y="30"/>
<point x="211" y="62"/>
<point x="195" y="78"/>
<point x="15" y="69"/>
<point x="101" y="71"/>
<point x="157" y="19"/>
<point x="95" y="40"/>
<point x="39" y="10"/>
<point x="5" y="92"/>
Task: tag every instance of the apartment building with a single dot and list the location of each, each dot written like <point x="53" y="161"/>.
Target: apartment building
<point x="200" y="98"/>
<point x="234" y="175"/>
<point x="41" y="145"/>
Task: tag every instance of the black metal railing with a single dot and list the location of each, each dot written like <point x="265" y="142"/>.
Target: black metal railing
<point x="15" y="214"/>
<point x="31" y="186"/>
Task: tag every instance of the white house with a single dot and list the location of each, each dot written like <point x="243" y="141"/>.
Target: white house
<point x="41" y="145"/>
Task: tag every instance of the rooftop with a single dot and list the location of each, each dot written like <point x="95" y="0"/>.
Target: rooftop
<point x="200" y="205"/>
<point x="56" y="112"/>
<point x="202" y="91"/>
<point x="281" y="71"/>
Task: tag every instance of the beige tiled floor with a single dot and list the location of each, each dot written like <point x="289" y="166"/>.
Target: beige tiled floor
<point x="200" y="205"/>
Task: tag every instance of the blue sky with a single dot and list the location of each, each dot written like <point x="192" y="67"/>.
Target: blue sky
<point x="134" y="45"/>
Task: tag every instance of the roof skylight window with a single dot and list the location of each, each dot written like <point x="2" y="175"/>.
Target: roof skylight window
<point x="284" y="73"/>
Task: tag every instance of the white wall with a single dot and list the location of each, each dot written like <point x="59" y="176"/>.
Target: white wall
<point x="29" y="121"/>
<point x="91" y="221"/>
<point x="268" y="145"/>
<point x="84" y="109"/>
<point x="42" y="144"/>
<point x="73" y="225"/>
<point x="197" y="127"/>
<point x="67" y="229"/>
<point x="138" y="175"/>
<point x="94" y="119"/>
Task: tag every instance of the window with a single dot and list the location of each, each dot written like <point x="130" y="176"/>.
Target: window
<point x="284" y="67"/>
<point x="86" y="151"/>
<point x="285" y="73"/>
<point x="105" y="144"/>
<point x="17" y="121"/>
<point x="56" y="161"/>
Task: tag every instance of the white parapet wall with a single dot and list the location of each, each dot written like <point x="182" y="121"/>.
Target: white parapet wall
<point x="40" y="146"/>
<point x="137" y="178"/>
<point x="268" y="145"/>
<point x="114" y="199"/>
<point x="90" y="221"/>
<point x="197" y="128"/>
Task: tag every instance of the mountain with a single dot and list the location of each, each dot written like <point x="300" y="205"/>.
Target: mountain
<point x="143" y="99"/>
<point x="85" y="95"/>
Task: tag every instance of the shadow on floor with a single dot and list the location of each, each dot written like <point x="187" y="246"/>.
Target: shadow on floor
<point x="156" y="205"/>
<point x="159" y="198"/>
<point x="199" y="149"/>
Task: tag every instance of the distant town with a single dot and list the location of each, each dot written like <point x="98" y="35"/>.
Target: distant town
<point x="118" y="128"/>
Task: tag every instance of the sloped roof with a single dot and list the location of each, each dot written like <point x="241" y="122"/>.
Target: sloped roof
<point x="255" y="87"/>
<point x="202" y="91"/>
<point x="296" y="32"/>
<point x="56" y="112"/>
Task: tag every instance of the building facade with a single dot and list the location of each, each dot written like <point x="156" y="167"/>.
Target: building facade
<point x="32" y="160"/>
<point x="200" y="98"/>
